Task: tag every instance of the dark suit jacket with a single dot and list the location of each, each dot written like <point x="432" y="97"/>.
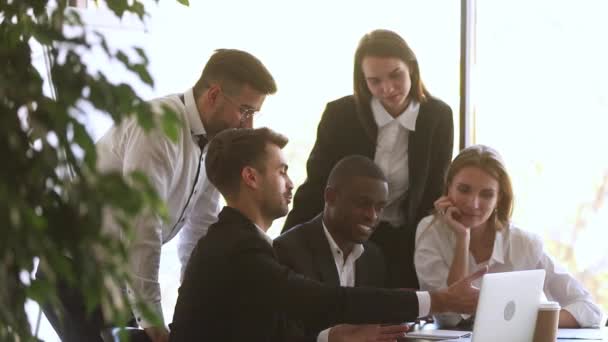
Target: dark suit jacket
<point x="306" y="251"/>
<point x="346" y="129"/>
<point x="234" y="289"/>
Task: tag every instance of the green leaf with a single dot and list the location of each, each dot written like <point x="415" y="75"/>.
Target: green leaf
<point x="82" y="138"/>
<point x="38" y="290"/>
<point x="184" y="2"/>
<point x="145" y="120"/>
<point x="121" y="56"/>
<point x="103" y="43"/>
<point x="118" y="6"/>
<point x="142" y="72"/>
<point x="142" y="55"/>
<point x="138" y="8"/>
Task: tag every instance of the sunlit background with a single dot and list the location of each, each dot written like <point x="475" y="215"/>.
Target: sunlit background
<point x="539" y="91"/>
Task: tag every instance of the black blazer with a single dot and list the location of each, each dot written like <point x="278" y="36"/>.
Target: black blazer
<point x="306" y="251"/>
<point x="234" y="289"/>
<point x="346" y="129"/>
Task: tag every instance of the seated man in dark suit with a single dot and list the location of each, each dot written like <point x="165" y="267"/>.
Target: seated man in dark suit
<point x="234" y="288"/>
<point x="333" y="248"/>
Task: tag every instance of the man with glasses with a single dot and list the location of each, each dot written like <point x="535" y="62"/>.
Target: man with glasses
<point x="246" y="111"/>
<point x="231" y="89"/>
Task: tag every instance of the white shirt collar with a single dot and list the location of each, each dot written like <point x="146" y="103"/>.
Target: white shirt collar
<point x="354" y="254"/>
<point x="498" y="253"/>
<point x="263" y="233"/>
<point x="192" y="115"/>
<point x="407" y="118"/>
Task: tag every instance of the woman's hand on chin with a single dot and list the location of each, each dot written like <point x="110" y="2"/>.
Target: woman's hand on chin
<point x="450" y="214"/>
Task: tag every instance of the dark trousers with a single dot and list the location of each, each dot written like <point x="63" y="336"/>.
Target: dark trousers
<point x="70" y="318"/>
<point x="397" y="244"/>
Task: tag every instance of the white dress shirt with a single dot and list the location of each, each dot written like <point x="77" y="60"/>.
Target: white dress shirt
<point x="264" y="235"/>
<point x="177" y="171"/>
<point x="346" y="274"/>
<point x="514" y="250"/>
<point x="392" y="155"/>
<point x="345" y="268"/>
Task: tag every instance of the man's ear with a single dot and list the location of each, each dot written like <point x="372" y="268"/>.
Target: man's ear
<point x="330" y="195"/>
<point x="250" y="177"/>
<point x="213" y="93"/>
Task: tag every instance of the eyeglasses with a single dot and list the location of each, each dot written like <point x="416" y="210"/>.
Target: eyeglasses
<point x="245" y="110"/>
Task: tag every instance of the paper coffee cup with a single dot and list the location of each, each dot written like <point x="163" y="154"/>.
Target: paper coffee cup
<point x="547" y="322"/>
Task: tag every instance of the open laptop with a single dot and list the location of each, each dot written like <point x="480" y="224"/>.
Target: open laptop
<point x="508" y="305"/>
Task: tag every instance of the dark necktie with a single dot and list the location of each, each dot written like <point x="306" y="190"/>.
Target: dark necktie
<point x="202" y="141"/>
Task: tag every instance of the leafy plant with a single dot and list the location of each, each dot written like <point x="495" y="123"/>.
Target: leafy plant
<point x="53" y="197"/>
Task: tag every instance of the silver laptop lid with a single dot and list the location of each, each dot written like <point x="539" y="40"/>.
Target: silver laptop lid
<point x="508" y="305"/>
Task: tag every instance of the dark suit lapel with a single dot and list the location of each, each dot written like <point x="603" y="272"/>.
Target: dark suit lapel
<point x="323" y="258"/>
<point x="238" y="220"/>
<point x="418" y="145"/>
<point x="362" y="269"/>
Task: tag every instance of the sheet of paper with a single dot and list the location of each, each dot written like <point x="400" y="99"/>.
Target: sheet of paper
<point x="583" y="334"/>
<point x="438" y="334"/>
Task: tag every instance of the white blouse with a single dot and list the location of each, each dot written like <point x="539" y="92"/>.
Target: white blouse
<point x="392" y="155"/>
<point x="514" y="250"/>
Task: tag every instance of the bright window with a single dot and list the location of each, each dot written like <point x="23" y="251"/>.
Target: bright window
<point x="540" y="90"/>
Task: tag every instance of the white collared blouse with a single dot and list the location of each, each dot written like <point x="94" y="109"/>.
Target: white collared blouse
<point x="392" y="155"/>
<point x="514" y="250"/>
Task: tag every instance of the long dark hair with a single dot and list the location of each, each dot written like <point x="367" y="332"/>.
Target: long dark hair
<point x="383" y="43"/>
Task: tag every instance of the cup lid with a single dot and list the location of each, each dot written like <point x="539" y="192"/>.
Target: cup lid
<point x="549" y="306"/>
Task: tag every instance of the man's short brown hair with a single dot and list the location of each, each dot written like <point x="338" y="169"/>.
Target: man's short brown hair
<point x="232" y="69"/>
<point x="232" y="150"/>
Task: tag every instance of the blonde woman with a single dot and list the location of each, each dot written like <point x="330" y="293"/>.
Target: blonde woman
<point x="471" y="228"/>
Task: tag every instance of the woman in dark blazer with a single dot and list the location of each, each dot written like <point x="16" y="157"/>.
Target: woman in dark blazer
<point x="392" y="119"/>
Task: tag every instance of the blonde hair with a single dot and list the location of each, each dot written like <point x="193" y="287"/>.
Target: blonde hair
<point x="490" y="161"/>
